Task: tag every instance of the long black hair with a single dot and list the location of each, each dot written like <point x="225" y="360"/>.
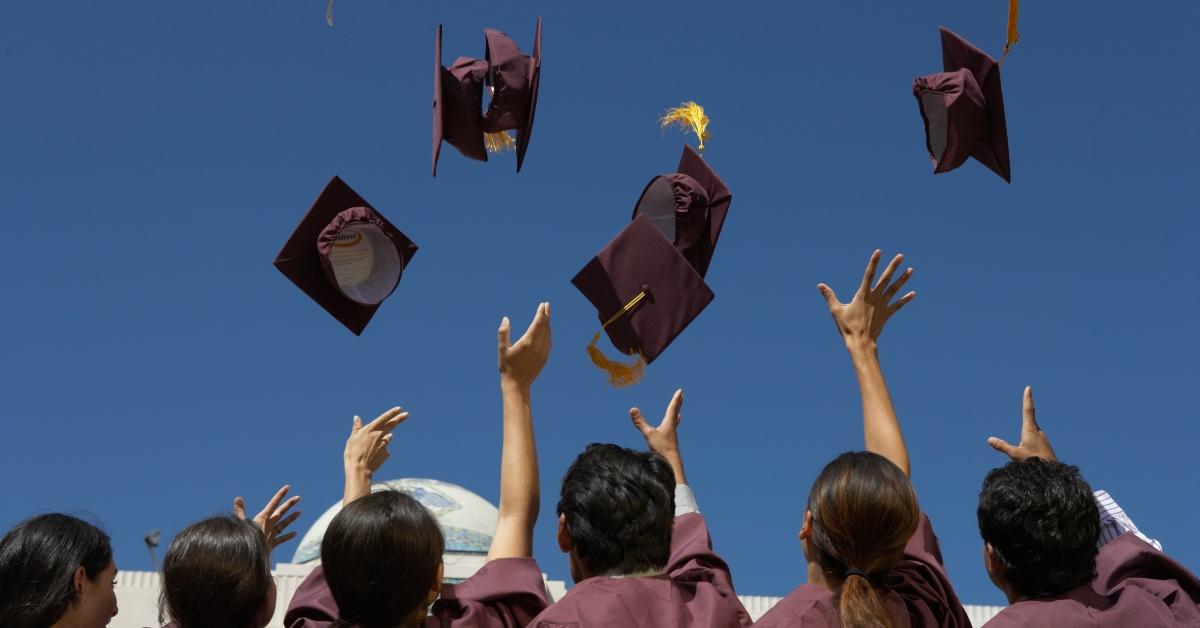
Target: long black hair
<point x="38" y="560"/>
<point x="381" y="555"/>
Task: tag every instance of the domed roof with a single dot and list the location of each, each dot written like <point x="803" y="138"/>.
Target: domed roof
<point x="468" y="521"/>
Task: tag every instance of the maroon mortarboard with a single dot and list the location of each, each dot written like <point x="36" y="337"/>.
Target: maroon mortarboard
<point x="646" y="294"/>
<point x="963" y="109"/>
<point x="688" y="207"/>
<point x="457" y="104"/>
<point x="345" y="255"/>
<point x="513" y="78"/>
<point x="647" y="284"/>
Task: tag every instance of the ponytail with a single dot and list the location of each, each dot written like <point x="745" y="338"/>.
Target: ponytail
<point x="860" y="606"/>
<point x="863" y="511"/>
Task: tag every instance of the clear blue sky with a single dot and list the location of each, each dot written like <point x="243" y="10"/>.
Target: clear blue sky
<point x="154" y="157"/>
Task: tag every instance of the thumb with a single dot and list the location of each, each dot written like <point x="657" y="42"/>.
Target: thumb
<point x="503" y="333"/>
<point x="239" y="508"/>
<point x="1002" y="446"/>
<point x="639" y="421"/>
<point x="828" y="293"/>
<point x="357" y="425"/>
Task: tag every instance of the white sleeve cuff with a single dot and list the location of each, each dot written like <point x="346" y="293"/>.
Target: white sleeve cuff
<point x="1114" y="522"/>
<point x="685" y="500"/>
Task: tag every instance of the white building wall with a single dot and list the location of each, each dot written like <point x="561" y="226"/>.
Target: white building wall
<point x="137" y="593"/>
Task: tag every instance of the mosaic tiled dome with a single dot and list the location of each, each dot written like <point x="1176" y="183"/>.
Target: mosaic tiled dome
<point x="468" y="521"/>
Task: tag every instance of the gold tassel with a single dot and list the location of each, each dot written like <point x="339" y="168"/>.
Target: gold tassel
<point x="620" y="374"/>
<point x="1013" y="35"/>
<point x="497" y="142"/>
<point x="690" y="115"/>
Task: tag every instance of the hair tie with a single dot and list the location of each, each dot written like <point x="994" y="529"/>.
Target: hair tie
<point x="854" y="572"/>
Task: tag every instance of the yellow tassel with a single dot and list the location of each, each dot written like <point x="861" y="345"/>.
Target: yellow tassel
<point x="619" y="373"/>
<point x="689" y="115"/>
<point x="497" y="142"/>
<point x="1013" y="35"/>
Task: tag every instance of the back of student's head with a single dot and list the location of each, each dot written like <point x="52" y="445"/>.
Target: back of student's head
<point x="217" y="572"/>
<point x="1042" y="522"/>
<point x="863" y="512"/>
<point x="381" y="555"/>
<point x="619" y="506"/>
<point x="38" y="562"/>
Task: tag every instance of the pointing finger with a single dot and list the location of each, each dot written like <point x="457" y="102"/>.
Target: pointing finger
<point x="1028" y="417"/>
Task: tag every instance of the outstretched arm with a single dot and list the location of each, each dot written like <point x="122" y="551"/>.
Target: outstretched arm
<point x="520" y="498"/>
<point x="860" y="322"/>
<point x="366" y="450"/>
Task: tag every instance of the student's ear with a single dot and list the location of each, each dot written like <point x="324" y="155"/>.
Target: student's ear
<point x="990" y="562"/>
<point x="806" y="527"/>
<point x="79" y="580"/>
<point x="564" y="535"/>
<point x="805" y="535"/>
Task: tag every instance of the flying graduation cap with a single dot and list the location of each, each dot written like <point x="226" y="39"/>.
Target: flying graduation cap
<point x="512" y="79"/>
<point x="963" y="106"/>
<point x="345" y="255"/>
<point x="647" y="284"/>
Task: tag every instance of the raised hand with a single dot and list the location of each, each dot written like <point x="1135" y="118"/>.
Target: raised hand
<point x="1034" y="442"/>
<point x="664" y="439"/>
<point x="521" y="363"/>
<point x="273" y="519"/>
<point x="366" y="450"/>
<point x="861" y="320"/>
<point x="520" y="495"/>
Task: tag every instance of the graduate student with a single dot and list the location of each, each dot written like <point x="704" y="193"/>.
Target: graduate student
<point x="217" y="571"/>
<point x="1066" y="556"/>
<point x="873" y="559"/>
<point x="638" y="547"/>
<point x="56" y="570"/>
<point x="381" y="558"/>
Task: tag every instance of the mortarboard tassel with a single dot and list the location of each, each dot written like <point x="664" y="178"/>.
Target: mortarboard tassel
<point x="329" y="13"/>
<point x="1013" y="35"/>
<point x="690" y="115"/>
<point x="620" y="374"/>
<point x="497" y="142"/>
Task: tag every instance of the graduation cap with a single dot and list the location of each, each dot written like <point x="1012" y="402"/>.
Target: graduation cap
<point x="345" y="255"/>
<point x="513" y="79"/>
<point x="963" y="108"/>
<point x="647" y="284"/>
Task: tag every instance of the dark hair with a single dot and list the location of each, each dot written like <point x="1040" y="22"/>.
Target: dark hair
<point x="863" y="512"/>
<point x="620" y="507"/>
<point x="217" y="572"/>
<point x="38" y="560"/>
<point x="1043" y="525"/>
<point x="381" y="555"/>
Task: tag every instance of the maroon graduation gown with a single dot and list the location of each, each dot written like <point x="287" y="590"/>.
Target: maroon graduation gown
<point x="695" y="590"/>
<point x="504" y="593"/>
<point x="1135" y="585"/>
<point x="917" y="593"/>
